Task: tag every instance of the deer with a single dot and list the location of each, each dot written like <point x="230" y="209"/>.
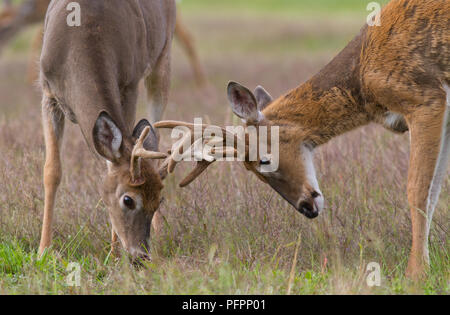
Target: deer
<point x="7" y="12"/>
<point x="13" y="20"/>
<point x="396" y="74"/>
<point x="90" y="74"/>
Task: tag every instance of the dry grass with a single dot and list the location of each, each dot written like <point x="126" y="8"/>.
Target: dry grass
<point x="227" y="233"/>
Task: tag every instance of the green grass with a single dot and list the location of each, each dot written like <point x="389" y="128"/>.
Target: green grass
<point x="217" y="272"/>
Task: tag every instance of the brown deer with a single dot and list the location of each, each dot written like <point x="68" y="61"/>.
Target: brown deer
<point x="90" y="75"/>
<point x="7" y="13"/>
<point x="15" y="19"/>
<point x="397" y="74"/>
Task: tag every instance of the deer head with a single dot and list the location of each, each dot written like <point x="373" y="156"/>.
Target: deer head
<point x="133" y="184"/>
<point x="295" y="178"/>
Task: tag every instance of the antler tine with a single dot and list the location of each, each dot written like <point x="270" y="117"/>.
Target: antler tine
<point x="171" y="124"/>
<point x="140" y="152"/>
<point x="196" y="172"/>
<point x="175" y="157"/>
<point x="144" y="134"/>
<point x="201" y="166"/>
<point x="170" y="160"/>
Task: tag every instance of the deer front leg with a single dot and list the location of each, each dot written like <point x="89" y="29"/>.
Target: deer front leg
<point x="430" y="142"/>
<point x="53" y="123"/>
<point x="114" y="243"/>
<point x="158" y="85"/>
<point x="157" y="223"/>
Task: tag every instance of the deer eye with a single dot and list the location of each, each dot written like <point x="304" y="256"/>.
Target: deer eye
<point x="129" y="202"/>
<point x="264" y="161"/>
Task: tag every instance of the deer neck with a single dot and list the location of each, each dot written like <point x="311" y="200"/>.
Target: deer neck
<point x="329" y="104"/>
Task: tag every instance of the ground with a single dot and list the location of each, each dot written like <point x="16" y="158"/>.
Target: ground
<point x="227" y="233"/>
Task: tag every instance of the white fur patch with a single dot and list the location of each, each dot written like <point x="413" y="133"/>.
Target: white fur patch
<point x="260" y="117"/>
<point x="447" y="90"/>
<point x="441" y="165"/>
<point x="110" y="166"/>
<point x="310" y="172"/>
<point x="116" y="142"/>
<point x="392" y="119"/>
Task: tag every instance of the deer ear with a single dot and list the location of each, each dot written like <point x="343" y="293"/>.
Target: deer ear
<point x="243" y="102"/>
<point x="151" y="143"/>
<point x="107" y="138"/>
<point x="263" y="98"/>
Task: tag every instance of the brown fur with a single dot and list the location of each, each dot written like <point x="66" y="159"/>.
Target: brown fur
<point x="186" y="41"/>
<point x="6" y="16"/>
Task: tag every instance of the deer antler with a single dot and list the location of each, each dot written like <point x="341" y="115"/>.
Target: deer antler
<point x="205" y="161"/>
<point x="140" y="152"/>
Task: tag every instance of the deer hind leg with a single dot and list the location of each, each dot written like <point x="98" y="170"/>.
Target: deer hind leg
<point x="430" y="152"/>
<point x="7" y="13"/>
<point x="53" y="123"/>
<point x="186" y="41"/>
<point x="33" y="67"/>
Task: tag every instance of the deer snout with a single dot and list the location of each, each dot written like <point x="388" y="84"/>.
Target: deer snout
<point x="139" y="257"/>
<point x="308" y="210"/>
<point x="311" y="206"/>
<point x="138" y="262"/>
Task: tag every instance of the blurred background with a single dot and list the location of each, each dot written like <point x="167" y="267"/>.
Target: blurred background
<point x="275" y="43"/>
<point x="227" y="233"/>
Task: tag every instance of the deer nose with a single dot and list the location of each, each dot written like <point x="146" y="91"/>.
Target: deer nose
<point x="308" y="210"/>
<point x="145" y="257"/>
<point x="140" y="253"/>
<point x="139" y="260"/>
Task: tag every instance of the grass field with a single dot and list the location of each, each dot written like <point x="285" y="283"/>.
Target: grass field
<point x="227" y="233"/>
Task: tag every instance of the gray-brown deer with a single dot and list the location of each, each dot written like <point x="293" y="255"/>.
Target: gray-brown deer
<point x="90" y="75"/>
<point x="397" y="74"/>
